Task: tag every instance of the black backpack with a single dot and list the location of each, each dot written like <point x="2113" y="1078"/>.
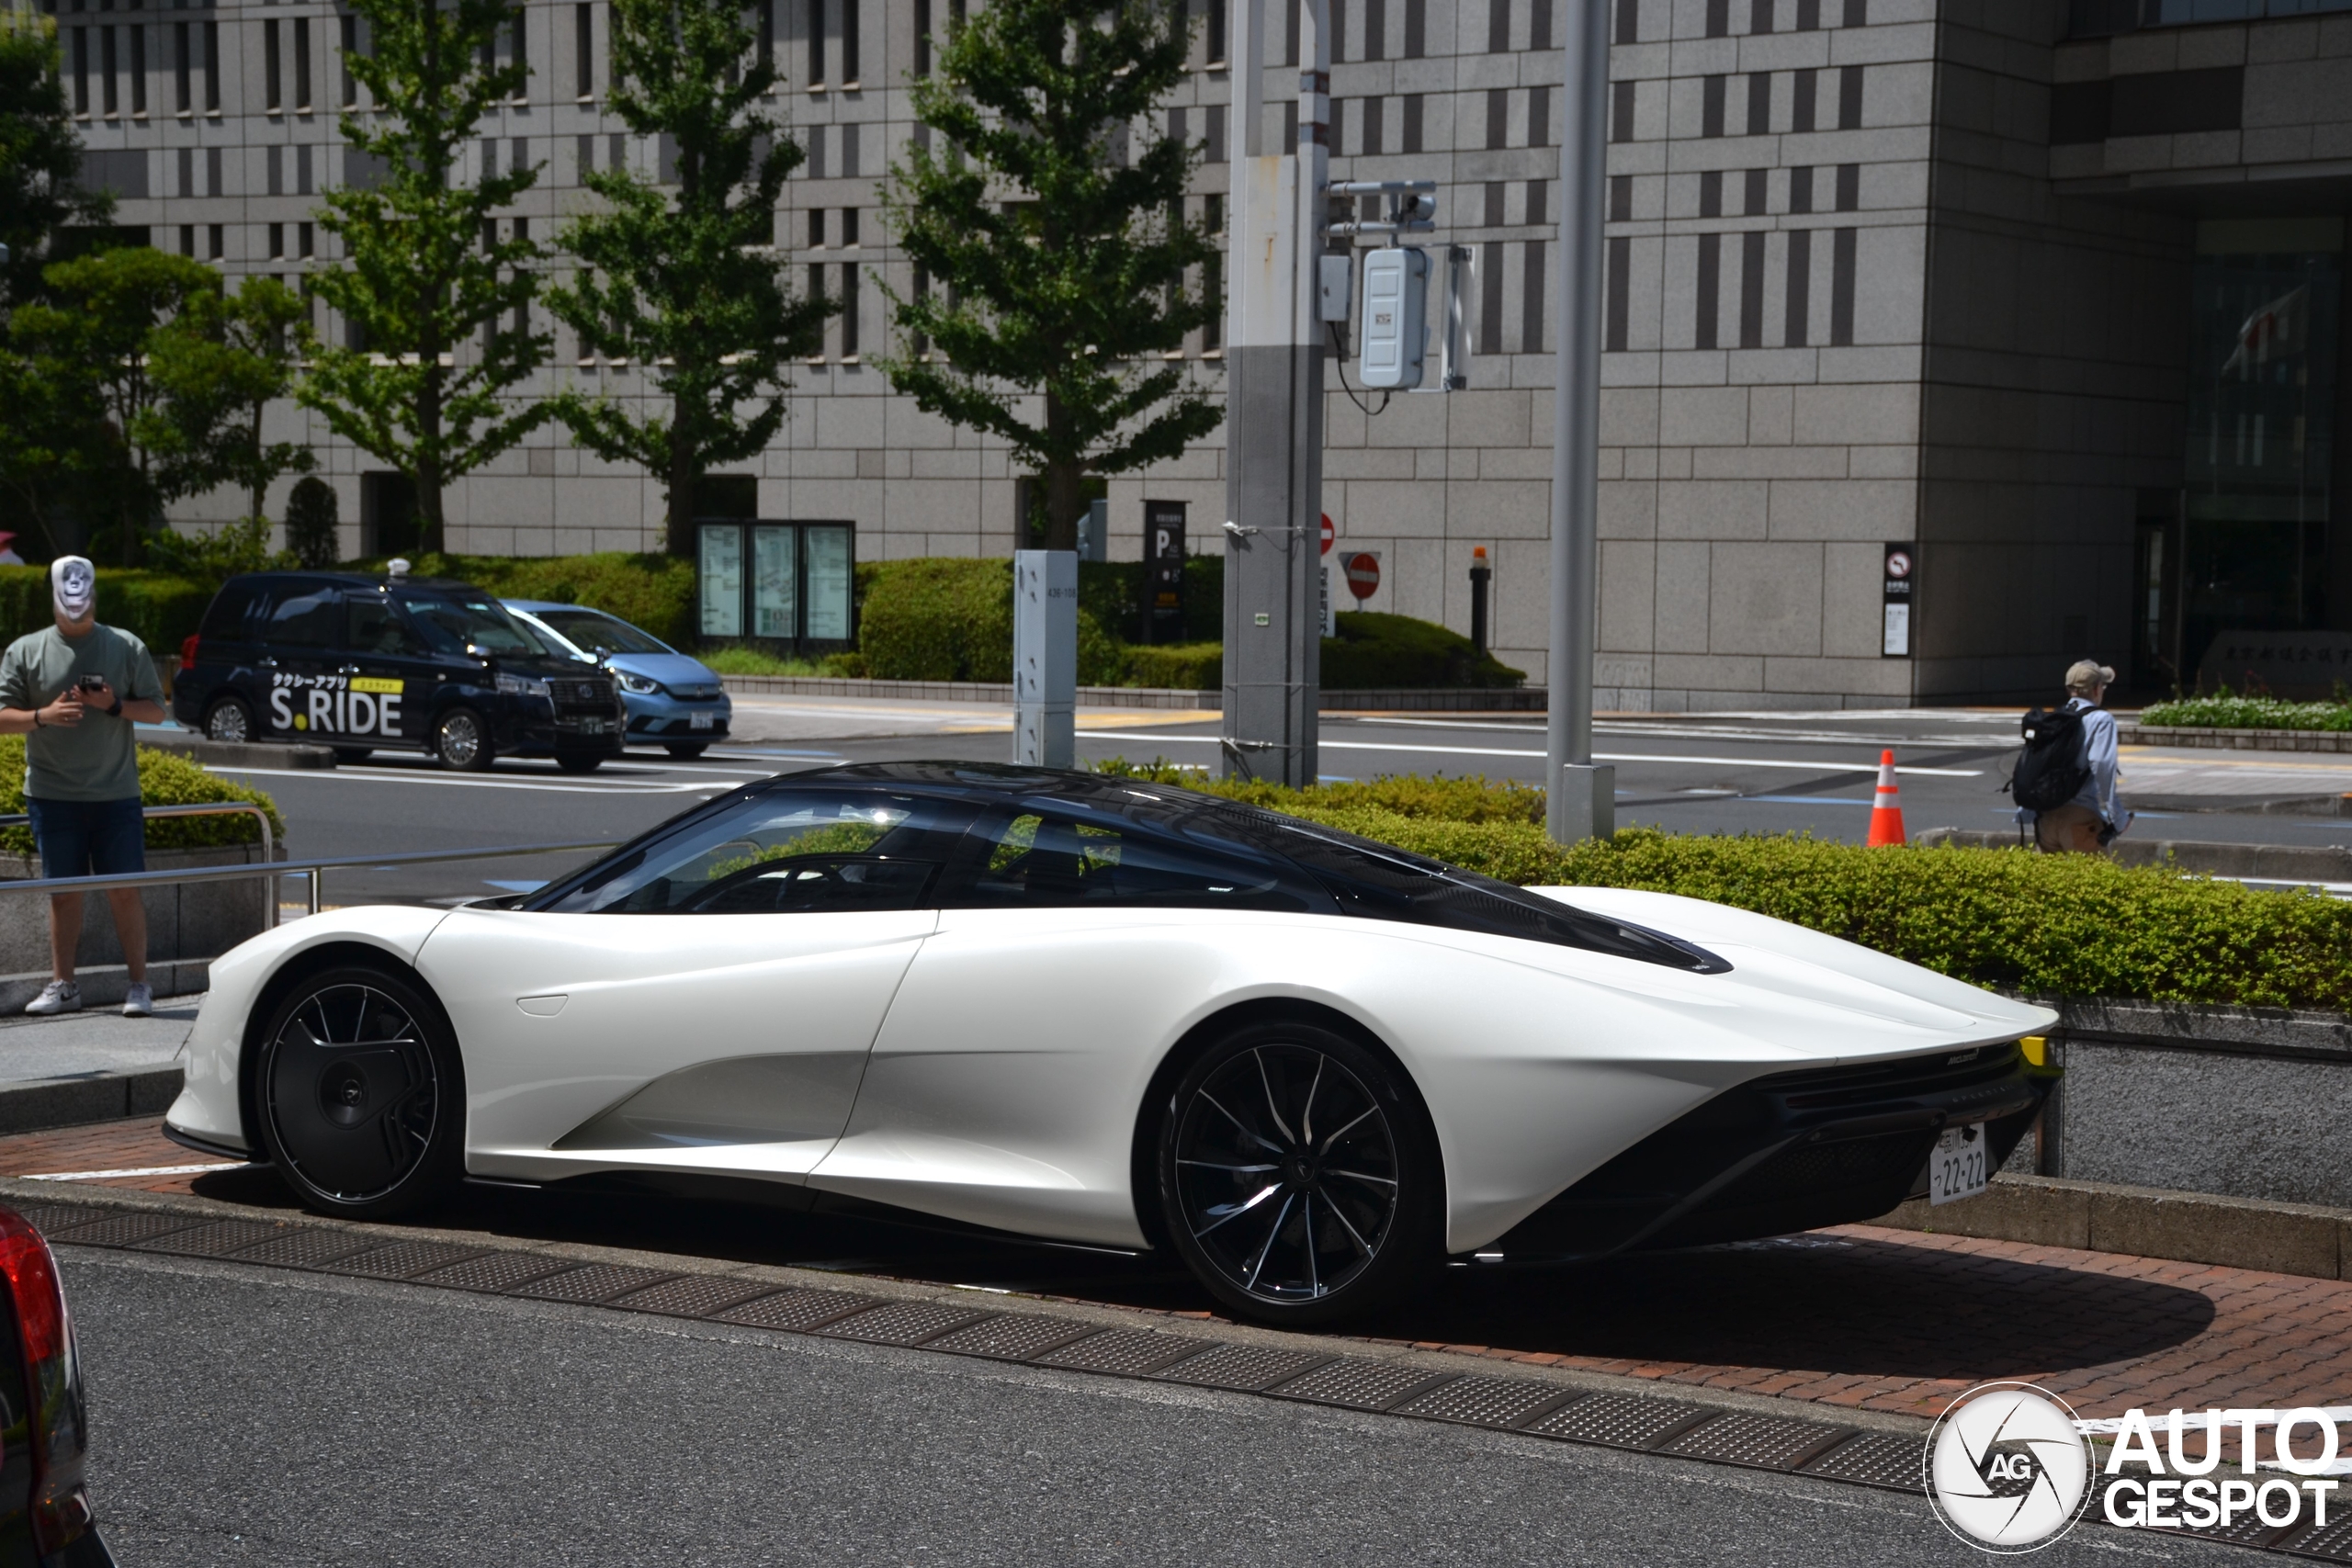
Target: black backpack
<point x="2051" y="771"/>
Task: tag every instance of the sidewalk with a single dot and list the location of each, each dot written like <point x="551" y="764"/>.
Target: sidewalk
<point x="98" y="1040"/>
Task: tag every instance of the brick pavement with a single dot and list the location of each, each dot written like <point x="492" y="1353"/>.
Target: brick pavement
<point x="1858" y="1317"/>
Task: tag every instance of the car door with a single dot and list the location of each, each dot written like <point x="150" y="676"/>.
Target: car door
<point x="1072" y="948"/>
<point x="297" y="662"/>
<point x="388" y="671"/>
<point x="703" y="1000"/>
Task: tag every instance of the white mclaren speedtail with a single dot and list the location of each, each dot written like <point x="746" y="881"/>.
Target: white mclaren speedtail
<point x="1114" y="1013"/>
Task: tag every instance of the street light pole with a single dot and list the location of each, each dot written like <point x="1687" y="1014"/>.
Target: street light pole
<point x="1581" y="801"/>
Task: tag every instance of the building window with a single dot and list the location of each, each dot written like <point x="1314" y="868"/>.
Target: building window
<point x="922" y="37"/>
<point x="1753" y="206"/>
<point x="1621" y="198"/>
<point x="1759" y="103"/>
<point x="1751" y="290"/>
<point x="816" y="9"/>
<point x="1719" y="19"/>
<point x="1711" y="194"/>
<point x="919" y="342"/>
<point x="518" y="52"/>
<point x="139" y="70"/>
<point x="1711" y="105"/>
<point x="349" y="40"/>
<point x="1849" y="97"/>
<point x="1374" y="128"/>
<point x="1497" y="26"/>
<point x="1629" y="21"/>
<point x="1711" y="288"/>
<point x="1539" y="117"/>
<point x="1495" y="189"/>
<point x="301" y="65"/>
<point x="1808" y="15"/>
<point x="107" y="67"/>
<point x="212" y="68"/>
<point x="272" y="99"/>
<point x="1621" y="111"/>
<point x="307" y="235"/>
<point x="277" y="241"/>
<point x="1417" y="29"/>
<point x="217" y="238"/>
<point x="1800" y="287"/>
<point x="1490" y="297"/>
<point x="183" y="88"/>
<point x="1415" y="111"/>
<point x="1539" y="26"/>
<point x="1850" y="187"/>
<point x="1803" y="91"/>
<point x="1376" y="27"/>
<point x="1800" y="190"/>
<point x="1498" y="116"/>
<point x="850" y="74"/>
<point x="1531" y="300"/>
<point x="1213" y="34"/>
<point x="1841" y="287"/>
<point x="1212" y="276"/>
<point x="583" y="51"/>
<point x="1619" y="309"/>
<point x="1858" y="13"/>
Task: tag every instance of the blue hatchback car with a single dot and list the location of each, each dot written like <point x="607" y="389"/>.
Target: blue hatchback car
<point x="674" y="701"/>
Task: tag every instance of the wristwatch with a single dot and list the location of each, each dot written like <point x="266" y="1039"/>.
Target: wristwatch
<point x="116" y="711"/>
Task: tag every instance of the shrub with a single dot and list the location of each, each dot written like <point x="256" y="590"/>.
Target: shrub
<point x="1188" y="666"/>
<point x="159" y="609"/>
<point x="655" y="591"/>
<point x="311" y="515"/>
<point x="164" y="779"/>
<point x="213" y="559"/>
<point x="950" y="618"/>
<point x="2225" y="711"/>
<point x="1377" y="649"/>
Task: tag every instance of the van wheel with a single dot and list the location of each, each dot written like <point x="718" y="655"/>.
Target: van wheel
<point x="228" y="721"/>
<point x="462" y="741"/>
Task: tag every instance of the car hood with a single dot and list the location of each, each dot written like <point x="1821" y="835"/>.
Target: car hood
<point x="670" y="669"/>
<point x="1819" y="996"/>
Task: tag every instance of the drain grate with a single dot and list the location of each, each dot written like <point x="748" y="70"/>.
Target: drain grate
<point x="904" y="1323"/>
<point x="403" y="1259"/>
<point x="2332" y="1542"/>
<point x="123" y="1229"/>
<point x="1013" y="1336"/>
<point x="1248" y="1368"/>
<point x="1764" y="1442"/>
<point x="1125" y="1352"/>
<point x="218" y="1239"/>
<point x="597" y="1282"/>
<point x="1489" y="1402"/>
<point x="1892" y="1459"/>
<point x="495" y="1271"/>
<point x="302" y="1247"/>
<point x="695" y="1295"/>
<point x="2248" y="1531"/>
<point x="48" y="1218"/>
<point x="1362" y="1386"/>
<point x="795" y="1311"/>
<point x="1621" y="1420"/>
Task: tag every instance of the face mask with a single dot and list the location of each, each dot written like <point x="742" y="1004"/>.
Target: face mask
<point x="73" y="587"/>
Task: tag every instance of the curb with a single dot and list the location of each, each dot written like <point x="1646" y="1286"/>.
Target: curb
<point x="2306" y="1239"/>
<point x="238" y="754"/>
<point x="41" y="1105"/>
<point x="2199" y="738"/>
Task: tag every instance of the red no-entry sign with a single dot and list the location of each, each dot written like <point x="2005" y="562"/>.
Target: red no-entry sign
<point x="1363" y="573"/>
<point x="1330" y="534"/>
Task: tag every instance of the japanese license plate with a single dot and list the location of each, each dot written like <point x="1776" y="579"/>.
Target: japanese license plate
<point x="593" y="726"/>
<point x="698" y="720"/>
<point x="1957" y="1168"/>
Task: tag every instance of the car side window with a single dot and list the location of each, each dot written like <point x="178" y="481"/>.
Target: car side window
<point x="1044" y="859"/>
<point x="226" y="618"/>
<point x="374" y="626"/>
<point x="304" y="616"/>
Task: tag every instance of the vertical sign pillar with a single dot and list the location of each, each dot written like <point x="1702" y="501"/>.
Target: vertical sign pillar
<point x="1163" y="571"/>
<point x="1045" y="657"/>
<point x="1274" y="412"/>
<point x="1581" y="799"/>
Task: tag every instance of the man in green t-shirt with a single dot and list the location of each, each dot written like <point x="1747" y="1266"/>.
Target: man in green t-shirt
<point x="74" y="691"/>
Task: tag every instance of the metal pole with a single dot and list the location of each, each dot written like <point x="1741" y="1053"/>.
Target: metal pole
<point x="1581" y="799"/>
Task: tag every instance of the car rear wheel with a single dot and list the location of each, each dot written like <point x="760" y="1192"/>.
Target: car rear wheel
<point x="361" y="1094"/>
<point x="462" y="741"/>
<point x="686" y="750"/>
<point x="579" y="762"/>
<point x="1298" y="1179"/>
<point x="229" y="720"/>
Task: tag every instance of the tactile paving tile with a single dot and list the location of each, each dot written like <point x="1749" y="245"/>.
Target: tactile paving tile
<point x="695" y="1295"/>
<point x="402" y="1259"/>
<point x="1248" y="1368"/>
<point x="1489" y="1402"/>
<point x="1362" y="1386"/>
<point x="495" y="1271"/>
<point x="1127" y="1352"/>
<point x="1892" y="1459"/>
<point x="1013" y="1336"/>
<point x="305" y="1247"/>
<point x="904" y="1323"/>
<point x="1621" y="1420"/>
<point x="795" y="1311"/>
<point x="597" y="1282"/>
<point x="217" y="1239"/>
<point x="1766" y="1442"/>
<point x="2331" y="1543"/>
<point x="48" y="1218"/>
<point x="2249" y="1530"/>
<point x="123" y="1229"/>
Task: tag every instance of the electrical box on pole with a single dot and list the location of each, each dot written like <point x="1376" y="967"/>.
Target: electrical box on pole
<point x="1332" y="300"/>
<point x="1045" y="657"/>
<point x="1395" y="296"/>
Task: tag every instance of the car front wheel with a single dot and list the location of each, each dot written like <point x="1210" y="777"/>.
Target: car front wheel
<point x="1299" y="1181"/>
<point x="361" y="1094"/>
<point x="462" y="741"/>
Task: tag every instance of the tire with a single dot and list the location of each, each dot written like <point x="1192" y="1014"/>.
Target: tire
<point x="228" y="721"/>
<point x="686" y="750"/>
<point x="579" y="762"/>
<point x="1277" y="1225"/>
<point x="461" y="739"/>
<point x="353" y="754"/>
<point x="361" y="1094"/>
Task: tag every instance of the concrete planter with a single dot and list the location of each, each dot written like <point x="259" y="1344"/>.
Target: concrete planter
<point x="186" y="926"/>
<point x="2202" y="737"/>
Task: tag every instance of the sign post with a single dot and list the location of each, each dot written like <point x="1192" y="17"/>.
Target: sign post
<point x="1902" y="566"/>
<point x="1163" y="554"/>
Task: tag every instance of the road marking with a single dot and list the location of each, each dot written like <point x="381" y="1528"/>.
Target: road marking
<point x="445" y="780"/>
<point x="1610" y="757"/>
<point x="140" y="1170"/>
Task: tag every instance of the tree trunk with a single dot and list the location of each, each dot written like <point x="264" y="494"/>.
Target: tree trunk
<point x="1064" y="486"/>
<point x="253" y="490"/>
<point x="429" y="534"/>
<point x="681" y="489"/>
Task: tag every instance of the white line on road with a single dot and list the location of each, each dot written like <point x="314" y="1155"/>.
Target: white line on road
<point x="370" y="776"/>
<point x="1605" y="757"/>
<point x="1698" y="732"/>
<point x="140" y="1170"/>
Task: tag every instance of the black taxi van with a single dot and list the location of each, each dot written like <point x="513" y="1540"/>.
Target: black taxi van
<point x="394" y="662"/>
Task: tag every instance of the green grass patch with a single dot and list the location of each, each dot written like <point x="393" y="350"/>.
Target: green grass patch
<point x="164" y="779"/>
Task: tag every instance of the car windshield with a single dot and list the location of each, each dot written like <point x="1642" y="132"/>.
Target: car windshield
<point x="468" y="622"/>
<point x="598" y="634"/>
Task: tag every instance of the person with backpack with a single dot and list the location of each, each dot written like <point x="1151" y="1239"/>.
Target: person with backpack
<point x="2064" y="782"/>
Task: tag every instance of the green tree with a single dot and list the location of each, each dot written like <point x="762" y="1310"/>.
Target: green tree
<point x="39" y="154"/>
<point x="219" y="366"/>
<point x="438" y="304"/>
<point x="1063" y="261"/>
<point x="688" y="284"/>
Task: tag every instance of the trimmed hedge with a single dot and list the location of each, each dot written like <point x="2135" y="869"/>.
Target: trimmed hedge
<point x="2225" y="711"/>
<point x="655" y="591"/>
<point x="950" y="618"/>
<point x="1377" y="650"/>
<point x="2044" y="925"/>
<point x="160" y="610"/>
<point x="164" y="779"/>
<point x="1184" y="666"/>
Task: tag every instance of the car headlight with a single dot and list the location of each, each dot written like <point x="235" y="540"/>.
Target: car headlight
<point x="521" y="686"/>
<point x="643" y="685"/>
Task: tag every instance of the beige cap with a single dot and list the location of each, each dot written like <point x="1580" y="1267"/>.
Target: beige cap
<point x="2087" y="675"/>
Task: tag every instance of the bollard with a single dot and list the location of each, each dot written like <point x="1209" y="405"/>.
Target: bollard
<point x="1480" y="576"/>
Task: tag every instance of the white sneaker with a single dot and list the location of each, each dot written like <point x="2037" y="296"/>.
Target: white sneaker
<point x="58" y="996"/>
<point x="138" y="1001"/>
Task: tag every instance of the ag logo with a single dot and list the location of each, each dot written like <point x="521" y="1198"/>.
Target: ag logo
<point x="2007" y="1469"/>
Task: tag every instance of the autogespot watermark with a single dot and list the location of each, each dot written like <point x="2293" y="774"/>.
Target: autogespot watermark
<point x="2010" y="1469"/>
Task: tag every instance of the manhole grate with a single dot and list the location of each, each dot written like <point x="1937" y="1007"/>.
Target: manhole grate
<point x="1248" y="1368"/>
<point x="1488" y="1401"/>
<point x="1362" y="1386"/>
<point x="1013" y="1336"/>
<point x="218" y="1239"/>
<point x="1127" y="1352"/>
<point x="1766" y="1442"/>
<point x="1892" y="1459"/>
<point x="1621" y="1420"/>
<point x="124" y="1229"/>
<point x="597" y="1282"/>
<point x="49" y="1217"/>
<point x="904" y="1323"/>
<point x="495" y="1271"/>
<point x="695" y="1295"/>
<point x="402" y="1259"/>
<point x="301" y="1246"/>
<point x="795" y="1311"/>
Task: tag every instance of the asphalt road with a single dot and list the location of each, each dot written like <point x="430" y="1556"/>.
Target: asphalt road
<point x="1809" y="773"/>
<point x="248" y="1416"/>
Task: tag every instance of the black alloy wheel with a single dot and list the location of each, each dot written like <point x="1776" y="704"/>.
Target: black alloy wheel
<point x="579" y="762"/>
<point x="686" y="750"/>
<point x="230" y="720"/>
<point x="361" y="1095"/>
<point x="462" y="741"/>
<point x="1298" y="1179"/>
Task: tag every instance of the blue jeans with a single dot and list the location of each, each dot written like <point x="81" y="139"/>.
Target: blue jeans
<point x="89" y="838"/>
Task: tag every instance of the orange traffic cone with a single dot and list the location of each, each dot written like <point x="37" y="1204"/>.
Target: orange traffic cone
<point x="1887" y="811"/>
